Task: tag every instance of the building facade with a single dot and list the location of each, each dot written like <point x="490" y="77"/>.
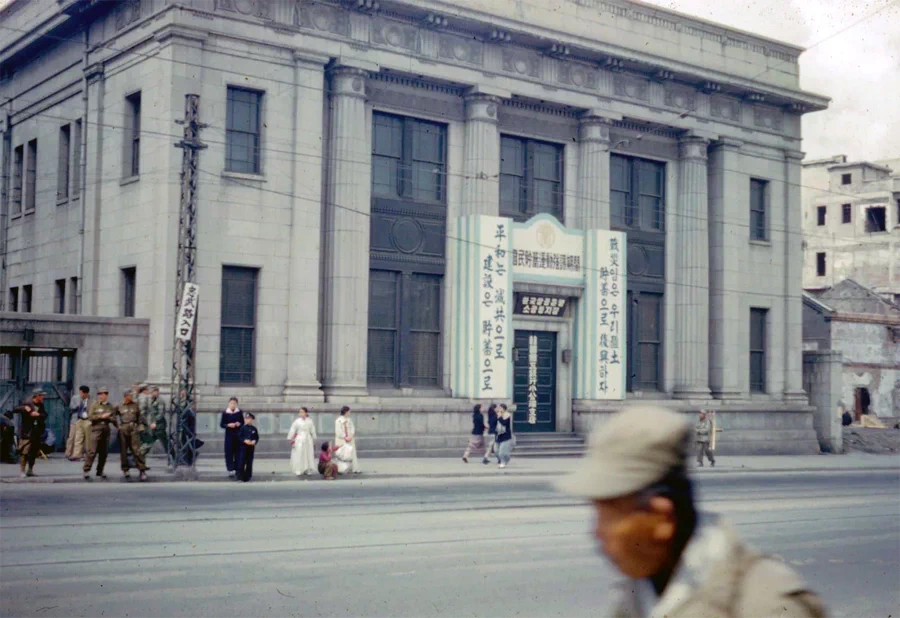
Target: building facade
<point x="851" y="224"/>
<point x="598" y="202"/>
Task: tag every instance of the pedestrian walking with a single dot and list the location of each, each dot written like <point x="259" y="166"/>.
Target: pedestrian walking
<point x="677" y="562"/>
<point x="302" y="437"/>
<point x="79" y="425"/>
<point x="327" y="468"/>
<point x="32" y="422"/>
<point x="101" y="415"/>
<point x="476" y="439"/>
<point x="248" y="438"/>
<point x="129" y="420"/>
<point x="492" y="434"/>
<point x="155" y="417"/>
<point x="345" y="433"/>
<point x="232" y="420"/>
<point x="504" y="435"/>
<point x="702" y="433"/>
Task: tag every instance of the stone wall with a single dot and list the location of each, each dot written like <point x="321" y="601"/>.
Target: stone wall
<point x="871" y="360"/>
<point x="822" y="381"/>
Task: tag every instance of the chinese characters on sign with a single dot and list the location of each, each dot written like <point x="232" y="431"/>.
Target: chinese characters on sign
<point x="539" y="304"/>
<point x="532" y="379"/>
<point x="549" y="261"/>
<point x="187" y="312"/>
<point x="610" y="331"/>
<point x="494" y="310"/>
<point x="544" y="250"/>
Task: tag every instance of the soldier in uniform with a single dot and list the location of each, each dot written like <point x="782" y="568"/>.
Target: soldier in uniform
<point x="702" y="433"/>
<point x="155" y="417"/>
<point x="31" y="429"/>
<point x="101" y="415"/>
<point x="130" y="423"/>
<point x="676" y="561"/>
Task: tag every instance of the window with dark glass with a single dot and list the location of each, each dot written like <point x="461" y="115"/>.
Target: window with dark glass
<point x="62" y="169"/>
<point x="133" y="135"/>
<point x="644" y="357"/>
<point x="59" y="296"/>
<point x="18" y="171"/>
<point x="73" y="295"/>
<point x="846" y="213"/>
<point x="820" y="264"/>
<point x="530" y="178"/>
<point x="408" y="158"/>
<point x="26" y="299"/>
<point x="129" y="283"/>
<point x="846" y="179"/>
<point x="758" y="210"/>
<point x="637" y="193"/>
<point x="238" y="325"/>
<point x="243" y="131"/>
<point x="876" y="219"/>
<point x="76" y="160"/>
<point x="821" y="213"/>
<point x="13" y="299"/>
<point x="758" y="350"/>
<point x="31" y="176"/>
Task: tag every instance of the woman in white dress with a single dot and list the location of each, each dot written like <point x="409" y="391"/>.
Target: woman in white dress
<point x="303" y="438"/>
<point x="345" y="433"/>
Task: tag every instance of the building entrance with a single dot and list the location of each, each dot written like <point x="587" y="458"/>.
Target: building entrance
<point x="534" y="381"/>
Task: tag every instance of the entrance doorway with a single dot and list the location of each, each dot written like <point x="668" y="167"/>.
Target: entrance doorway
<point x="534" y="381"/>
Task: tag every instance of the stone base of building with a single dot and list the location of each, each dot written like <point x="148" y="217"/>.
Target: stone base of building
<point x="440" y="427"/>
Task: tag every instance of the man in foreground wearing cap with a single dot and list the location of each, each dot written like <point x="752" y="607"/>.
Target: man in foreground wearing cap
<point x="130" y="421"/>
<point x="102" y="413"/>
<point x="31" y="430"/>
<point x="679" y="563"/>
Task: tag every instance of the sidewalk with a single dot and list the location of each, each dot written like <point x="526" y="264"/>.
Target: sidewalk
<point x="59" y="470"/>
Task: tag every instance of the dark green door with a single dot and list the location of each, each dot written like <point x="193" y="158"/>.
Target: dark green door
<point x="534" y="386"/>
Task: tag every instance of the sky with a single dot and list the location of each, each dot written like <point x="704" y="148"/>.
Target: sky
<point x="859" y="68"/>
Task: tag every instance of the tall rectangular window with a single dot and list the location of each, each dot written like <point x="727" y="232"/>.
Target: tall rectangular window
<point x="876" y="219"/>
<point x="133" y="135"/>
<point x="846" y="179"/>
<point x="242" y="131"/>
<point x="530" y="178"/>
<point x="73" y="295"/>
<point x="31" y="176"/>
<point x="404" y="328"/>
<point x="59" y="296"/>
<point x="76" y="160"/>
<point x="758" y="350"/>
<point x="408" y="158"/>
<point x="129" y="286"/>
<point x="644" y="357"/>
<point x="26" y="299"/>
<point x="62" y="167"/>
<point x="846" y="213"/>
<point x="820" y="264"/>
<point x="15" y="197"/>
<point x="238" y="325"/>
<point x="13" y="299"/>
<point x="637" y="193"/>
<point x="821" y="213"/>
<point x="758" y="202"/>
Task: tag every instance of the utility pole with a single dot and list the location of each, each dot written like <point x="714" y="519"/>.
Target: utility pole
<point x="182" y="424"/>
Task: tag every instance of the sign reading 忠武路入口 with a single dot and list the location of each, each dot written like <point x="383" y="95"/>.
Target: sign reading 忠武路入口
<point x="493" y="252"/>
<point x="187" y="312"/>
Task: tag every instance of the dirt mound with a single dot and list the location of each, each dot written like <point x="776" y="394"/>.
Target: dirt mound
<point x="874" y="441"/>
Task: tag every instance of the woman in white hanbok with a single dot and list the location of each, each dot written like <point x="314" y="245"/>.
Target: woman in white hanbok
<point x="303" y="438"/>
<point x="345" y="433"/>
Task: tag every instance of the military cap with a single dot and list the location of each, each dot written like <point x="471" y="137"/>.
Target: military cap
<point x="127" y="392"/>
<point x="103" y="389"/>
<point x="37" y="392"/>
<point x="631" y="451"/>
<point x="250" y="415"/>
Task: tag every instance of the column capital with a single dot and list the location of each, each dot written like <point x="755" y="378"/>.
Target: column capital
<point x="483" y="103"/>
<point x="727" y="143"/>
<point x="594" y="125"/>
<point x="311" y="59"/>
<point x="692" y="147"/>
<point x="793" y="155"/>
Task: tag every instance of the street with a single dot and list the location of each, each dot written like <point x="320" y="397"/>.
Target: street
<point x="493" y="546"/>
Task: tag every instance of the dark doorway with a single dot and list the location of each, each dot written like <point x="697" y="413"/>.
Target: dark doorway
<point x="863" y="401"/>
<point x="534" y="385"/>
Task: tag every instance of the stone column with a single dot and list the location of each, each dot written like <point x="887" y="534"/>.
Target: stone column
<point x="481" y="166"/>
<point x="793" y="279"/>
<point x="302" y="384"/>
<point x="593" y="171"/>
<point x="692" y="272"/>
<point x="728" y="203"/>
<point x="346" y="274"/>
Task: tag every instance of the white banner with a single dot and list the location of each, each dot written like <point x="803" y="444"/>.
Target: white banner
<point x="187" y="312"/>
<point x="495" y="341"/>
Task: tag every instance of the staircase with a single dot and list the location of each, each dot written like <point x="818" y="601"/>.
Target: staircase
<point x="548" y="445"/>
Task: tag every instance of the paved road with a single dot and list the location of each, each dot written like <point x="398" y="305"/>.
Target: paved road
<point x="417" y="547"/>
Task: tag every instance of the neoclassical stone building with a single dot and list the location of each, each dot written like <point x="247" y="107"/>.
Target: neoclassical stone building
<point x="409" y="206"/>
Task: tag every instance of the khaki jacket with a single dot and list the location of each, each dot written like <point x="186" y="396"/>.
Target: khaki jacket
<point x="98" y="408"/>
<point x="721" y="577"/>
<point x="702" y="430"/>
<point x="129" y="414"/>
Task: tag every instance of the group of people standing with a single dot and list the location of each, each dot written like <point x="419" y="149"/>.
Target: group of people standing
<point x="499" y="429"/>
<point x="241" y="439"/>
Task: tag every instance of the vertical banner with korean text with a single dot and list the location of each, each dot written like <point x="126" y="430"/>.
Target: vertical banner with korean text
<point x="187" y="312"/>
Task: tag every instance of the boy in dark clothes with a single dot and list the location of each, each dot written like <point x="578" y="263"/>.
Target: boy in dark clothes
<point x="247" y="438"/>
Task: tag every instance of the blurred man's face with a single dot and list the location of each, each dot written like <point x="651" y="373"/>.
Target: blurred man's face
<point x="637" y="540"/>
<point x="103" y="397"/>
<point x="128" y="398"/>
<point x="38" y="399"/>
<point x="703" y="416"/>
